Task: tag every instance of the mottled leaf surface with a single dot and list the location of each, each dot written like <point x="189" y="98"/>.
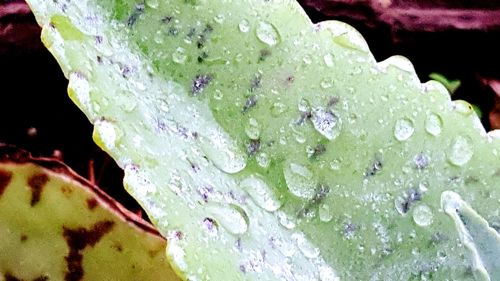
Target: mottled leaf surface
<point x="270" y="148"/>
<point x="54" y="225"/>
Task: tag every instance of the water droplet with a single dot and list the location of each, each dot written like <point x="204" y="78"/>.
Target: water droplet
<point x="285" y="220"/>
<point x="232" y="217"/>
<point x="433" y="124"/>
<point x="267" y="33"/>
<point x="107" y="133"/>
<point x="223" y="152"/>
<point x="159" y="37"/>
<point x="179" y="55"/>
<point x="218" y="95"/>
<point x="262" y="194"/>
<point x="328" y="58"/>
<point x="252" y="129"/>
<point x="326" y="273"/>
<point x="277" y="109"/>
<point x="244" y="26"/>
<point x="462" y="107"/>
<point x="325" y="215"/>
<point x="262" y="160"/>
<point x="152" y="3"/>
<point x="403" y="129"/>
<point x="304" y="105"/>
<point x="422" y="215"/>
<point x="460" y="151"/>
<point x="335" y="164"/>
<point x="326" y="123"/>
<point x="79" y="90"/>
<point x="307" y="59"/>
<point x="300" y="181"/>
<point x="219" y="18"/>
<point x="326" y="83"/>
<point x="305" y="246"/>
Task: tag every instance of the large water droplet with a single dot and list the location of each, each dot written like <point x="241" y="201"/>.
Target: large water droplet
<point x="232" y="217"/>
<point x="305" y="246"/>
<point x="244" y="26"/>
<point x="422" y="215"/>
<point x="179" y="55"/>
<point x="462" y="107"/>
<point x="252" y="129"/>
<point x="460" y="151"/>
<point x="328" y="58"/>
<point x="433" y="124"/>
<point x="262" y="194"/>
<point x="152" y="3"/>
<point x="267" y="33"/>
<point x="325" y="215"/>
<point x="107" y="133"/>
<point x="300" y="181"/>
<point x="223" y="152"/>
<point x="326" y="123"/>
<point x="403" y="129"/>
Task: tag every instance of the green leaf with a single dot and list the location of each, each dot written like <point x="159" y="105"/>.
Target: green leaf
<point x="57" y="226"/>
<point x="279" y="148"/>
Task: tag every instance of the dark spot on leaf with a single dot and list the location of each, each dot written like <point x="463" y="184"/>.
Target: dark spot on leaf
<point x="264" y="54"/>
<point x="98" y="39"/>
<point x="321" y="192"/>
<point x="191" y="32"/>
<point x="200" y="43"/>
<point x="374" y="168"/>
<point x="37" y="182"/>
<point x="205" y="192"/>
<point x="421" y="161"/>
<point x="118" y="247"/>
<point x="99" y="59"/>
<point x="255" y="83"/>
<point x="91" y="203"/>
<point x="411" y="197"/>
<point x="138" y="10"/>
<point x="179" y="235"/>
<point x="210" y="224"/>
<point x="166" y="19"/>
<point x="172" y="31"/>
<point x="290" y="79"/>
<point x="304" y="115"/>
<point x="66" y="190"/>
<point x="125" y="71"/>
<point x="253" y="147"/>
<point x="208" y="29"/>
<point x="243" y="268"/>
<point x="349" y="230"/>
<point x="251" y="102"/>
<point x="5" y="177"/>
<point x="194" y="167"/>
<point x="318" y="150"/>
<point x="333" y="101"/>
<point x="10" y="277"/>
<point x="202" y="57"/>
<point x="199" y="83"/>
<point x="77" y="240"/>
<point x="23" y="238"/>
<point x="237" y="245"/>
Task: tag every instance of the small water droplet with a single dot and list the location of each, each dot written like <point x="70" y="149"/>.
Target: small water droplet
<point x="232" y="217"/>
<point x="300" y="181"/>
<point x="262" y="194"/>
<point x="159" y="37"/>
<point x="328" y="58"/>
<point x="179" y="55"/>
<point x="433" y="124"/>
<point x="219" y="18"/>
<point x="462" y="107"/>
<point x="307" y="59"/>
<point x="244" y="26"/>
<point x="305" y="246"/>
<point x="218" y="95"/>
<point x="107" y="133"/>
<point x="403" y="129"/>
<point x="422" y="215"/>
<point x="325" y="215"/>
<point x="252" y="129"/>
<point x="326" y="123"/>
<point x="277" y="109"/>
<point x="460" y="151"/>
<point x="326" y="83"/>
<point x="267" y="33"/>
<point x="262" y="160"/>
<point x="152" y="3"/>
<point x="304" y="105"/>
<point x="335" y="164"/>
